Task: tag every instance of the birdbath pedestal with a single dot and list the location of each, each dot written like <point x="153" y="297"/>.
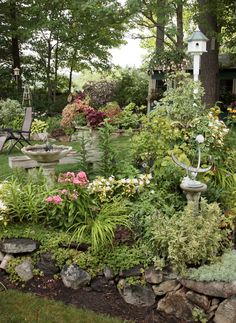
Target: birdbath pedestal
<point x="193" y="189"/>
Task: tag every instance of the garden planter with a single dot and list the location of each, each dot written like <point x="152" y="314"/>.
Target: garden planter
<point x="39" y="136"/>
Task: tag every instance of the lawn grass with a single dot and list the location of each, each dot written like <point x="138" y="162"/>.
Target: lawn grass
<point x="17" y="307"/>
<point x="119" y="143"/>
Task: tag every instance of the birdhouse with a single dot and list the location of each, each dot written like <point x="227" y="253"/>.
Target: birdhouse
<point x="197" y="43"/>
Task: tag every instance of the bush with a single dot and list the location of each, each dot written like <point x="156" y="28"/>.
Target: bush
<point x="187" y="240"/>
<point x="132" y="87"/>
<point x="224" y="270"/>
<point x="100" y="92"/>
<point x="9" y="112"/>
<point x="24" y="199"/>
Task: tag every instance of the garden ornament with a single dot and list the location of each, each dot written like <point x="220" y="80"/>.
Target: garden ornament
<point x="190" y="186"/>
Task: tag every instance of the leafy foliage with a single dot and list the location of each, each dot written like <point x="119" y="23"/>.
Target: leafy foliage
<point x="185" y="239"/>
<point x="223" y="270"/>
<point x="100" y="93"/>
<point x="24" y="199"/>
<point x="9" y="112"/>
<point x="100" y="227"/>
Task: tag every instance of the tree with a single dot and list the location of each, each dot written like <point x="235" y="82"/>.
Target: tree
<point x="161" y="32"/>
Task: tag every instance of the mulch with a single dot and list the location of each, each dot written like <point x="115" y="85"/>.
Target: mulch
<point x="108" y="302"/>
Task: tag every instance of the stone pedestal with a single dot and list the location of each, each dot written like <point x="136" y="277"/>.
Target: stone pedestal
<point x="193" y="193"/>
<point x="49" y="171"/>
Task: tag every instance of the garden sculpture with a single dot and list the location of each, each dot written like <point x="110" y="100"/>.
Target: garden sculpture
<point x="190" y="186"/>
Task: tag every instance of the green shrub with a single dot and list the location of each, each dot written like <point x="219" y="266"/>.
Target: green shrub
<point x="24" y="198"/>
<point x="132" y="85"/>
<point x="224" y="270"/>
<point x="100" y="225"/>
<point x="185" y="240"/>
<point x="9" y="111"/>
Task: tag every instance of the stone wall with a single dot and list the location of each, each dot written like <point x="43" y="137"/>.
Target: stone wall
<point x="173" y="298"/>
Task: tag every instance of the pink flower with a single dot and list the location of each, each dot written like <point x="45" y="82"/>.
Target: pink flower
<point x="57" y="199"/>
<point x="49" y="199"/>
<point x="82" y="176"/>
<point x="64" y="191"/>
<point x="77" y="181"/>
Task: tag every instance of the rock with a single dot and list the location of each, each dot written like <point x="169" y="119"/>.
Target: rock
<point x="20" y="245"/>
<point x="153" y="276"/>
<point x="226" y="312"/>
<point x="176" y="304"/>
<point x="212" y="308"/>
<point x="215" y="301"/>
<point x="170" y="276"/>
<point x="215" y="289"/>
<point x="136" y="295"/>
<point x="5" y="260"/>
<point x="200" y="300"/>
<point x="25" y="270"/>
<point x="108" y="273"/>
<point x="99" y="284"/>
<point x="165" y="287"/>
<point x="47" y="264"/>
<point x="74" y="277"/>
<point x="1" y="256"/>
<point x="135" y="271"/>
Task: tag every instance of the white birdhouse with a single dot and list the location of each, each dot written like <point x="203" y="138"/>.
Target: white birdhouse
<point x="197" y="43"/>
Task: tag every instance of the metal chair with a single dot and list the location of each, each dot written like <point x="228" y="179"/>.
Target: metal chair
<point x="18" y="136"/>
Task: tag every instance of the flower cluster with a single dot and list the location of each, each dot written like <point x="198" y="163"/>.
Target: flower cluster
<point x="54" y="199"/>
<point x="70" y="177"/>
<point x="218" y="129"/>
<point x="106" y="188"/>
<point x="232" y="111"/>
<point x="102" y="187"/>
<point x="131" y="186"/>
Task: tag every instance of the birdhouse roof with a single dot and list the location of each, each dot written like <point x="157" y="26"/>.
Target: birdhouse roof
<point x="197" y="36"/>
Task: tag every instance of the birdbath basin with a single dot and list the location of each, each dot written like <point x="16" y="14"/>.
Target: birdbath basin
<point x="47" y="157"/>
<point x="46" y="154"/>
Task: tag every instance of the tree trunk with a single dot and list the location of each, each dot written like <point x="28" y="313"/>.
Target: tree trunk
<point x="160" y="27"/>
<point x="179" y="21"/>
<point x="56" y="73"/>
<point x="48" y="72"/>
<point x="209" y="74"/>
<point x="15" y="50"/>
<point x="70" y="78"/>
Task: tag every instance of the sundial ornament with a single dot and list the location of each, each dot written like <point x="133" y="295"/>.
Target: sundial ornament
<point x="190" y="186"/>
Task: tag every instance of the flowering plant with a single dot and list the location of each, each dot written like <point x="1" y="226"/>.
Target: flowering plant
<point x="3" y="207"/>
<point x="69" y="201"/>
<point x="79" y="111"/>
<point x="232" y="112"/>
<point x="105" y="189"/>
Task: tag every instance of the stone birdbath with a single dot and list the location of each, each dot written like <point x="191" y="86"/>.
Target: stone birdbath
<point x="47" y="157"/>
<point x="189" y="185"/>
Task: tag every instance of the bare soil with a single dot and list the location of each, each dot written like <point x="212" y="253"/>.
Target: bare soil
<point x="107" y="302"/>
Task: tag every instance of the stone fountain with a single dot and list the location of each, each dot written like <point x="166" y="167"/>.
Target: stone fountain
<point x="190" y="186"/>
<point x="47" y="157"/>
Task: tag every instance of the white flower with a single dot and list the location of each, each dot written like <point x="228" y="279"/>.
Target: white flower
<point x="152" y="191"/>
<point x="200" y="139"/>
<point x="135" y="181"/>
<point x="2" y="206"/>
